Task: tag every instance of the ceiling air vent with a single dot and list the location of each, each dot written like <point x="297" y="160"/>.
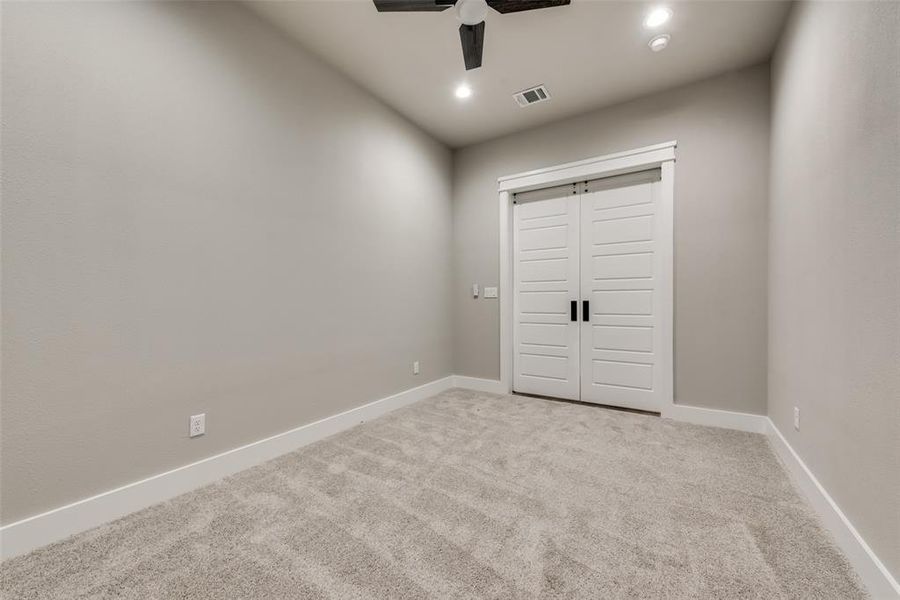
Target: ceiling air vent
<point x="532" y="95"/>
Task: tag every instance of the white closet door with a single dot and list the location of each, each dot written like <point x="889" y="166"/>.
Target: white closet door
<point x="620" y="277"/>
<point x="546" y="249"/>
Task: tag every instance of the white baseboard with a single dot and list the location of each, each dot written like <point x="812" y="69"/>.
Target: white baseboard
<point x="880" y="583"/>
<point x="39" y="530"/>
<point x="717" y="418"/>
<point x="690" y="414"/>
<point x="492" y="386"/>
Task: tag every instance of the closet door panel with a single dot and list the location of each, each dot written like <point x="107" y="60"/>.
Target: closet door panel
<point x="619" y="258"/>
<point x="627" y="338"/>
<point x="546" y="270"/>
<point x="619" y="266"/>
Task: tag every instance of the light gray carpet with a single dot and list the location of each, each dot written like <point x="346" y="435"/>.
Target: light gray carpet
<point x="470" y="495"/>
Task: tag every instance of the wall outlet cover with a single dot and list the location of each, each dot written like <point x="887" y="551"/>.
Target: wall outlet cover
<point x="415" y="367"/>
<point x="797" y="418"/>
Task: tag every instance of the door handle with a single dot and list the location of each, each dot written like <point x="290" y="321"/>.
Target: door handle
<point x="585" y="310"/>
<point x="573" y="310"/>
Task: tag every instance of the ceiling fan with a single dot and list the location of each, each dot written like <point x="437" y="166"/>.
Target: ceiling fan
<point x="471" y="13"/>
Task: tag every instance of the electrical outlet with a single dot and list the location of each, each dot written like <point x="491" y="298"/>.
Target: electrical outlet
<point x="797" y="418"/>
<point x="415" y="367"/>
<point x="198" y="425"/>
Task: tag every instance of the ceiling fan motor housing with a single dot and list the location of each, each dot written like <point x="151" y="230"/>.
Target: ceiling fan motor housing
<point x="471" y="14"/>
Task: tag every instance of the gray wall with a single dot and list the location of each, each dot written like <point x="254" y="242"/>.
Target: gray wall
<point x="721" y="190"/>
<point x="199" y="217"/>
<point x="834" y="300"/>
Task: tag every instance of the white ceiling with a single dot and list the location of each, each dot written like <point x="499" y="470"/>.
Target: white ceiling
<point x="589" y="54"/>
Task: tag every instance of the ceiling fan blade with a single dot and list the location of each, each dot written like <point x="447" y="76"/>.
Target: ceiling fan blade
<point x="472" y="38"/>
<point x="510" y="6"/>
<point x="413" y="5"/>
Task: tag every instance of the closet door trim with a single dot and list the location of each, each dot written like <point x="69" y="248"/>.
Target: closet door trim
<point x="660" y="156"/>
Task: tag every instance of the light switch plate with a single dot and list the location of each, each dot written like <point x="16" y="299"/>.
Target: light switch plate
<point x="490" y="292"/>
<point x="474" y="290"/>
<point x="197" y="425"/>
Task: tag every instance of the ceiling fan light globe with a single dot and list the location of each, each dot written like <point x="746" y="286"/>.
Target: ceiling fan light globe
<point x="471" y="12"/>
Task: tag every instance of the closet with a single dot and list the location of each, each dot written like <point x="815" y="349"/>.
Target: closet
<point x="587" y="267"/>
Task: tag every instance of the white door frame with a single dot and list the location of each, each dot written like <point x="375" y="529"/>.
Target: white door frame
<point x="660" y="156"/>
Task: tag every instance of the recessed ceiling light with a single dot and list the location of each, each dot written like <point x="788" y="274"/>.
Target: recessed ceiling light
<point x="657" y="17"/>
<point x="659" y="42"/>
<point x="463" y="91"/>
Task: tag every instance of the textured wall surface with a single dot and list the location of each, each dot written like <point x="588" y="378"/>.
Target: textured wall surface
<point x="198" y="216"/>
<point x="834" y="304"/>
<point x="721" y="188"/>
